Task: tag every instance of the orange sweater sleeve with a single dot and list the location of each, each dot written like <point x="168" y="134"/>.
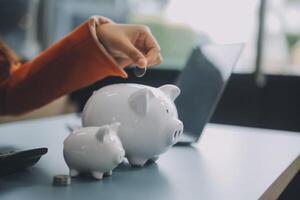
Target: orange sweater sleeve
<point x="76" y="61"/>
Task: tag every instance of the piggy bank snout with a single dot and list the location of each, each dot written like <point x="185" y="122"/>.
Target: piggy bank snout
<point x="175" y="130"/>
<point x="119" y="157"/>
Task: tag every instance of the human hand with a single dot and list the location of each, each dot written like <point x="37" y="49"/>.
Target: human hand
<point x="130" y="44"/>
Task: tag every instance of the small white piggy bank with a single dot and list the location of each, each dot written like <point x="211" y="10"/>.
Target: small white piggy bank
<point x="148" y="118"/>
<point x="95" y="150"/>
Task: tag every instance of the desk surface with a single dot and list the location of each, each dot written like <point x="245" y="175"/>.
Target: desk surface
<point x="228" y="162"/>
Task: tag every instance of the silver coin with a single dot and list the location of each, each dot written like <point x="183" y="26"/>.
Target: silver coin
<point x="61" y="180"/>
<point x="140" y="72"/>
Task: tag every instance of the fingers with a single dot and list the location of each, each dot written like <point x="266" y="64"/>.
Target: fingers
<point x="104" y="20"/>
<point x="123" y="62"/>
<point x="133" y="53"/>
<point x="153" y="57"/>
<point x="152" y="48"/>
<point x="130" y="44"/>
<point x="158" y="60"/>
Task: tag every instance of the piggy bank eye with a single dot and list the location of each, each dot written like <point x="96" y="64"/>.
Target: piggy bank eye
<point x="167" y="110"/>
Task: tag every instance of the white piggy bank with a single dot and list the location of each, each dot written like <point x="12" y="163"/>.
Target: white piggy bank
<point x="149" y="124"/>
<point x="95" y="150"/>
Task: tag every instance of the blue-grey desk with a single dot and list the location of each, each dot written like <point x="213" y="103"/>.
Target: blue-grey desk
<point x="228" y="163"/>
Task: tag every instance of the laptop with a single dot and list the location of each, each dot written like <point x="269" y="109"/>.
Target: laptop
<point x="202" y="83"/>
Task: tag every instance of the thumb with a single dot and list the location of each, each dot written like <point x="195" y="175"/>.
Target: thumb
<point x="134" y="54"/>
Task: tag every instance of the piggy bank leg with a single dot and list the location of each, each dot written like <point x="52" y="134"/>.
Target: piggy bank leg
<point x="154" y="159"/>
<point x="97" y="175"/>
<point x="73" y="172"/>
<point x="109" y="173"/>
<point x="139" y="162"/>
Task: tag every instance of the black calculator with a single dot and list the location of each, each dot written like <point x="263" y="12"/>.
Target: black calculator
<point x="14" y="159"/>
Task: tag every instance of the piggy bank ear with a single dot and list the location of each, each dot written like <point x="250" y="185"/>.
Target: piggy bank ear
<point x="171" y="91"/>
<point x="139" y="101"/>
<point x="104" y="130"/>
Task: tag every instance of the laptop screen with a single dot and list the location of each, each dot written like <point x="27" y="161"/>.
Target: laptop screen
<point x="202" y="82"/>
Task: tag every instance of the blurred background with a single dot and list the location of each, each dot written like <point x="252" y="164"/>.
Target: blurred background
<point x="264" y="89"/>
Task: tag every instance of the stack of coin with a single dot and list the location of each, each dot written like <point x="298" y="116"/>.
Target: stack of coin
<point x="61" y="180"/>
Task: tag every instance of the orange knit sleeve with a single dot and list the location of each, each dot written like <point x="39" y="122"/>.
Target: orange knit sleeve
<point x="76" y="61"/>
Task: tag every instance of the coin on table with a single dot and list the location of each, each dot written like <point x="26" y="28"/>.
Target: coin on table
<point x="61" y="180"/>
<point x="140" y="72"/>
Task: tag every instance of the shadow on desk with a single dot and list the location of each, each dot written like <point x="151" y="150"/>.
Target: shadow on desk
<point x="24" y="179"/>
<point x="125" y="181"/>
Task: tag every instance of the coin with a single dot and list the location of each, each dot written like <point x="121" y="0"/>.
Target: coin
<point x="61" y="180"/>
<point x="140" y="72"/>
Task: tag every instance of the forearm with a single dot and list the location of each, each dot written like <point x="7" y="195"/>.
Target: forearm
<point x="74" y="62"/>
